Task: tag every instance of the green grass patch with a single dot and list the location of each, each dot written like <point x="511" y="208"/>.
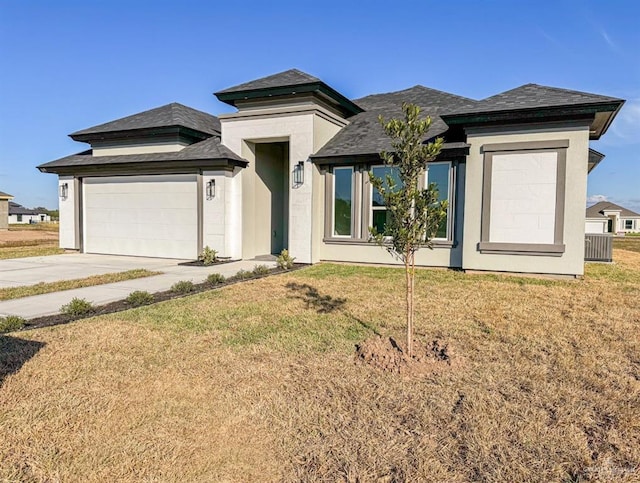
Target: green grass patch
<point x="43" y="288"/>
<point x="54" y="227"/>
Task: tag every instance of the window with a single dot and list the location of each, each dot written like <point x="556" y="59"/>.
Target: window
<point x="440" y="175"/>
<point x="342" y="201"/>
<point x="523" y="198"/>
<point x="628" y="224"/>
<point x="19" y="218"/>
<point x="378" y="210"/>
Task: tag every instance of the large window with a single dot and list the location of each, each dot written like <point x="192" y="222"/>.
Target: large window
<point x="440" y="175"/>
<point x="354" y="206"/>
<point x="342" y="201"/>
<point x="378" y="210"/>
<point x="628" y="224"/>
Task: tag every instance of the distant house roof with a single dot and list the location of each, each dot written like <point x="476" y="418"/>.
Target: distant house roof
<point x="287" y="83"/>
<point x="5" y="196"/>
<point x="199" y="154"/>
<point x="16" y="209"/>
<point x="170" y="116"/>
<point x="597" y="210"/>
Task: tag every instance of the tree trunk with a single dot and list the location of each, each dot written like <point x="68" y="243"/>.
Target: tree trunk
<point x="409" y="281"/>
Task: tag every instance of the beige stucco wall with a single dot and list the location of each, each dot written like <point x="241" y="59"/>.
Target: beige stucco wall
<point x="137" y="148"/>
<point x="69" y="213"/>
<point x="4" y="214"/>
<point x="571" y="262"/>
<point x="300" y="127"/>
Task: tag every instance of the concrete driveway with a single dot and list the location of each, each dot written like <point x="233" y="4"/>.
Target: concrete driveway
<point x="30" y="271"/>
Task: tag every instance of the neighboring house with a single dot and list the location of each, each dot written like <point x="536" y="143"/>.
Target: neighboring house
<point x="4" y="210"/>
<point x="289" y="170"/>
<point x="607" y="217"/>
<point x="19" y="214"/>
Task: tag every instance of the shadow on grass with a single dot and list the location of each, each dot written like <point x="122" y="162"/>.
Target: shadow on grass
<point x="14" y="353"/>
<point x="324" y="304"/>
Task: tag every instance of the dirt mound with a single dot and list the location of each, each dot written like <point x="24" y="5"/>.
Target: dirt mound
<point x="389" y="355"/>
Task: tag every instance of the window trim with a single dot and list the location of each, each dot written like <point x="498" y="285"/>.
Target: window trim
<point x="333" y="202"/>
<point x="556" y="248"/>
<point x="362" y="204"/>
<point x="450" y="198"/>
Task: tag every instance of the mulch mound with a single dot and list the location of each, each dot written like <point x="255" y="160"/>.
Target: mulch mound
<point x="388" y="355"/>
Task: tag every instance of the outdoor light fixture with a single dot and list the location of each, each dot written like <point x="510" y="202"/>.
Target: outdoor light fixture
<point x="211" y="189"/>
<point x="64" y="191"/>
<point x="298" y="174"/>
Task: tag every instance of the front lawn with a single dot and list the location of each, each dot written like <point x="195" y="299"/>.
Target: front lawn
<point x="257" y="382"/>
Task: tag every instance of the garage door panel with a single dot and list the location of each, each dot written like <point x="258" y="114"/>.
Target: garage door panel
<point x="141" y="215"/>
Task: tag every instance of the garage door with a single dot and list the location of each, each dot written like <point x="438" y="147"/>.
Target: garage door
<point x="151" y="216"/>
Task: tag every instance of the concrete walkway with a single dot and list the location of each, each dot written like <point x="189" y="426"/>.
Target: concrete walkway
<point x="30" y="271"/>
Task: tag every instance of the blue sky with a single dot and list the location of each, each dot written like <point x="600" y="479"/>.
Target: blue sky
<point x="68" y="65"/>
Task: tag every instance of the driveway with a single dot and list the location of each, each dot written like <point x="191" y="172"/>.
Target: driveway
<point x="29" y="271"/>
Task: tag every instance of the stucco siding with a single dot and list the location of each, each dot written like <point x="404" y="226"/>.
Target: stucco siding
<point x="4" y="214"/>
<point x="137" y="148"/>
<point x="69" y="213"/>
<point x="571" y="262"/>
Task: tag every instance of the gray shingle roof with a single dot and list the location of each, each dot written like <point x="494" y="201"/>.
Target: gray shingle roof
<point x="16" y="209"/>
<point x="209" y="149"/>
<point x="291" y="77"/>
<point x="596" y="211"/>
<point x="364" y="135"/>
<point x="165" y="116"/>
<point x="530" y="96"/>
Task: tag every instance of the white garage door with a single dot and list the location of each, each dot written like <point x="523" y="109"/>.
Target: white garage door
<point x="151" y="216"/>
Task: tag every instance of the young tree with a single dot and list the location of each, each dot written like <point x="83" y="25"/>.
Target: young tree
<point x="413" y="213"/>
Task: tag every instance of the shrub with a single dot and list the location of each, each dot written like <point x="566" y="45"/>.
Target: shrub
<point x="183" y="286"/>
<point x="261" y="270"/>
<point x="11" y="323"/>
<point x="208" y="256"/>
<point x="139" y="297"/>
<point x="77" y="307"/>
<point x="244" y="274"/>
<point x="284" y="260"/>
<point x="215" y="278"/>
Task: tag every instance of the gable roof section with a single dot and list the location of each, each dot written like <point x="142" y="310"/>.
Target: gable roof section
<point x="287" y="83"/>
<point x="364" y="136"/>
<point x="172" y="115"/>
<point x="597" y="210"/>
<point x="533" y="102"/>
<point x="207" y="153"/>
<point x="5" y="196"/>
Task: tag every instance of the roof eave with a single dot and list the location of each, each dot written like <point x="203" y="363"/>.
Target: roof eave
<point x="346" y="104"/>
<point x="451" y="152"/>
<point x="144" y="167"/>
<point x="538" y="114"/>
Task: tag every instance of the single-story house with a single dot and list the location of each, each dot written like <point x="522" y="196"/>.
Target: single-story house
<point x="607" y="217"/>
<point x="18" y="214"/>
<point x="289" y="169"/>
<point x="4" y="210"/>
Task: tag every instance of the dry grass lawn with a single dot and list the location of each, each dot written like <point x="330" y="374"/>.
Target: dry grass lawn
<point x="39" y="239"/>
<point x="257" y="382"/>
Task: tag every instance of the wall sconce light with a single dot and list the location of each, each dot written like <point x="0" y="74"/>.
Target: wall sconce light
<point x="298" y="174"/>
<point x="211" y="189"/>
<point x="64" y="191"/>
